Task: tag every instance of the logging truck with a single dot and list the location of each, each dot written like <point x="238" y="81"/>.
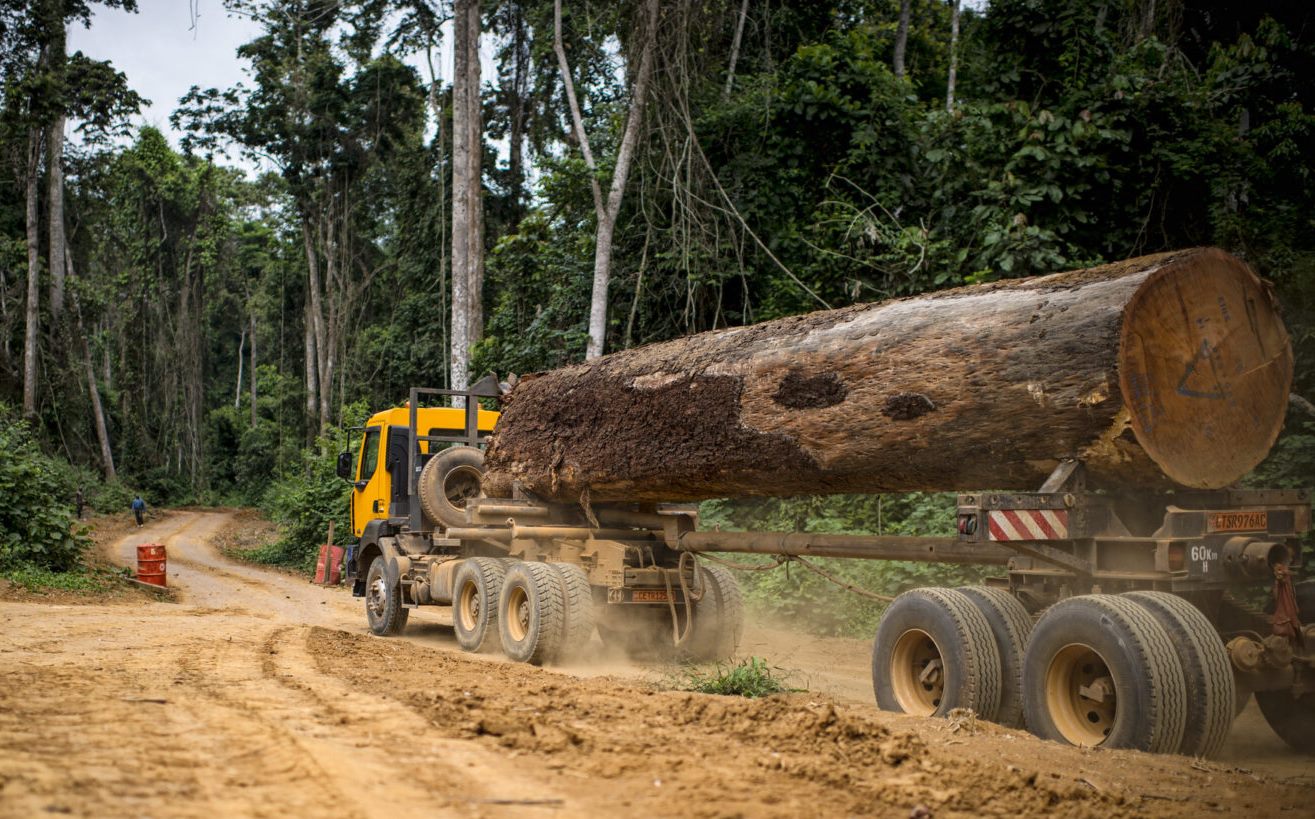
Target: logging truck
<point x="1142" y="597"/>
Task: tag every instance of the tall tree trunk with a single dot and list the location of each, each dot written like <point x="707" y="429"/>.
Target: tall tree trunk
<point x="312" y="372"/>
<point x="902" y="36"/>
<point x="318" y="390"/>
<point x="519" y="104"/>
<point x="735" y="50"/>
<point x="55" y="205"/>
<point x="465" y="67"/>
<point x="241" y="363"/>
<point x="475" y="156"/>
<point x="252" y="352"/>
<point x="1168" y="368"/>
<point x="606" y="211"/>
<point x="93" y="390"/>
<point x="954" y="55"/>
<point x="33" y="276"/>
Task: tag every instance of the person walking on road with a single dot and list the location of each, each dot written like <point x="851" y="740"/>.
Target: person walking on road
<point x="138" y="508"/>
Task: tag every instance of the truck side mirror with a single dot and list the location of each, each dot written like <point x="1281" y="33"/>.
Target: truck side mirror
<point x="345" y="465"/>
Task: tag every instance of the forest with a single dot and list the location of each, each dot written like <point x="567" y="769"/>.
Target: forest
<point x="175" y="324"/>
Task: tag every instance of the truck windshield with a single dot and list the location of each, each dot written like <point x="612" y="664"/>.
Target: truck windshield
<point x="369" y="454"/>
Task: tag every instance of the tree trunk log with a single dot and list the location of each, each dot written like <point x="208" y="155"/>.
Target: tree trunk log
<point x="1173" y="368"/>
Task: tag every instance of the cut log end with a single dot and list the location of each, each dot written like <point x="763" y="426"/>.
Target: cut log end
<point x="1205" y="366"/>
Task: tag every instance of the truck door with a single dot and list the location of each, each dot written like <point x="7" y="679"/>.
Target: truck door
<point x="370" y="492"/>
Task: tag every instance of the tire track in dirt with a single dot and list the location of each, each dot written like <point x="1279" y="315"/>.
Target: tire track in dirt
<point x="207" y="708"/>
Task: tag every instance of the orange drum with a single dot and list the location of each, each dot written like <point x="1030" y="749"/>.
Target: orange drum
<point x="151" y="559"/>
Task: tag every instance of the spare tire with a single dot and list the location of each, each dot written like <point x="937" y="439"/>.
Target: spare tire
<point x="450" y="479"/>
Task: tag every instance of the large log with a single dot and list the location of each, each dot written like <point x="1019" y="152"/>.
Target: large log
<point x="1173" y="368"/>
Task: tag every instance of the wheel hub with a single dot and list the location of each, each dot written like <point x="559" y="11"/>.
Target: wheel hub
<point x="1080" y="695"/>
<point x="917" y="673"/>
<point x="376" y="599"/>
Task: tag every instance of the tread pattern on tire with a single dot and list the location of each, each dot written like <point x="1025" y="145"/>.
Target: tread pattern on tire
<point x="492" y="572"/>
<point x="425" y="488"/>
<point x="1211" y="691"/>
<point x="976" y="632"/>
<point x="544" y="590"/>
<point x="980" y="679"/>
<point x="718" y="617"/>
<point x="1160" y="659"/>
<point x="395" y="616"/>
<point x="429" y="486"/>
<point x="578" y="610"/>
<point x="1150" y="653"/>
<point x="1014" y="625"/>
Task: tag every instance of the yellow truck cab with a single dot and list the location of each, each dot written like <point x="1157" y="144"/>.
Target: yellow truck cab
<point x="381" y="490"/>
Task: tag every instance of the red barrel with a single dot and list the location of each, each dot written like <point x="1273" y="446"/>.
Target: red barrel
<point x="333" y="556"/>
<point x="151" y="559"/>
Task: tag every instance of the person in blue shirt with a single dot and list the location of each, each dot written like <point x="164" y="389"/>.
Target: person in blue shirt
<point x="139" y="508"/>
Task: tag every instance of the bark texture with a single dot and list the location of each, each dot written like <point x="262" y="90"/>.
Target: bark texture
<point x="1173" y="368"/>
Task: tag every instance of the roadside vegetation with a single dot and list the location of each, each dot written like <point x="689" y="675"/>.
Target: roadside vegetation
<point x="206" y="336"/>
<point x="751" y="678"/>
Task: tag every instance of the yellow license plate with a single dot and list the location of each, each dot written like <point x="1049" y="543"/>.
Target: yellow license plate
<point x="1238" y="521"/>
<point x="649" y="596"/>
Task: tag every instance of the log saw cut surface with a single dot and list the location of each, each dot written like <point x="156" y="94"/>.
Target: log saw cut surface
<point x="1165" y="369"/>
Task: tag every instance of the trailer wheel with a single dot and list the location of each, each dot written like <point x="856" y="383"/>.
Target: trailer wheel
<point x="718" y="617"/>
<point x="934" y="652"/>
<point x="578" y="609"/>
<point x="1100" y="670"/>
<point x="1211" y="691"/>
<point x="383" y="603"/>
<point x="450" y="479"/>
<point x="1010" y="625"/>
<point x="475" y="590"/>
<point x="530" y="616"/>
<point x="1292" y="717"/>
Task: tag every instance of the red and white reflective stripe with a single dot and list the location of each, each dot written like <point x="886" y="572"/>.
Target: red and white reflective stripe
<point x="1027" y="524"/>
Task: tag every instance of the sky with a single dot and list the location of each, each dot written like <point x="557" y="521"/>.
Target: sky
<point x="166" y="48"/>
<point x="170" y="45"/>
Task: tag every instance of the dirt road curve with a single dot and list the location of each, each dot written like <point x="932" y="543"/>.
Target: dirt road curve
<point x="257" y="694"/>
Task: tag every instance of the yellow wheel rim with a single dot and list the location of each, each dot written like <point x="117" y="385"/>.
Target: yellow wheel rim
<point x="917" y="673"/>
<point x="518" y="613"/>
<point x="468" y="606"/>
<point x="1080" y="695"/>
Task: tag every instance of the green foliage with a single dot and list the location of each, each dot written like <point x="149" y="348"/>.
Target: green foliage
<point x="37" y="530"/>
<point x="750" y="677"/>
<point x="40" y="580"/>
<point x="303" y="502"/>
<point x="797" y="596"/>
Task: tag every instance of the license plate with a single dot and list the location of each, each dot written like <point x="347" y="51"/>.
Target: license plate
<point x="649" y="595"/>
<point x="1238" y="521"/>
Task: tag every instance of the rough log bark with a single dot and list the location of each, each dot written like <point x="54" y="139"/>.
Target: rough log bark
<point x="1173" y="368"/>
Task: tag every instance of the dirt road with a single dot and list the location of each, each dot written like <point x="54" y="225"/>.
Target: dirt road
<point x="258" y="694"/>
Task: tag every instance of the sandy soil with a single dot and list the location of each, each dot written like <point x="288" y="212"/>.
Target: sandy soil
<point x="256" y="693"/>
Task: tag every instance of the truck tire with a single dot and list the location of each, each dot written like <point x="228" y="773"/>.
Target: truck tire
<point x="475" y="589"/>
<point x="1211" y="691"/>
<point x="1101" y="670"/>
<point x="448" y="481"/>
<point x="933" y="653"/>
<point x="530" y="613"/>
<point x="1010" y="625"/>
<point x="383" y="603"/>
<point x="718" y="618"/>
<point x="1291" y="717"/>
<point x="578" y="610"/>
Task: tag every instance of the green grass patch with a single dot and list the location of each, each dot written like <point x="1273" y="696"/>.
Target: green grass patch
<point x="39" y="580"/>
<point x="751" y="678"/>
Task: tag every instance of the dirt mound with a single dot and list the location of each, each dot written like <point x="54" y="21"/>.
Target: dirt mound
<point x="779" y="755"/>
